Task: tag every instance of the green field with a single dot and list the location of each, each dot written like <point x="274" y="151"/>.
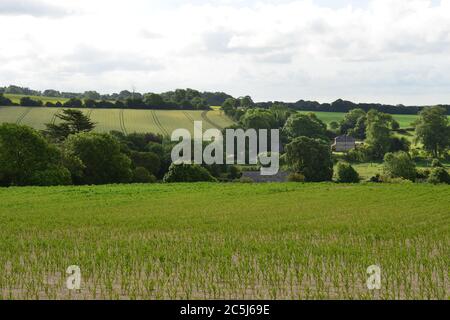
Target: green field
<point x="226" y="241"/>
<point x="156" y="121"/>
<point x="405" y="120"/>
<point x="127" y="121"/>
<point x="16" y="98"/>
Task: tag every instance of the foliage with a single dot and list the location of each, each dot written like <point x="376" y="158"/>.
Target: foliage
<point x="142" y="175"/>
<point x="310" y="157"/>
<point x="378" y="133"/>
<point x="147" y="160"/>
<point x="73" y="122"/>
<point x="346" y="173"/>
<point x="400" y="165"/>
<point x="439" y="175"/>
<point x="187" y="173"/>
<point x="433" y="130"/>
<point x="25" y="156"/>
<point x="306" y="125"/>
<point x="259" y="119"/>
<point x="296" y="177"/>
<point x="28" y="102"/>
<point x="101" y="157"/>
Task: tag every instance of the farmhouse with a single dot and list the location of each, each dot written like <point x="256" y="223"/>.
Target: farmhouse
<point x="344" y="143"/>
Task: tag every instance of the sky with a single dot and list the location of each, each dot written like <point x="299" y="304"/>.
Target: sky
<point x="386" y="51"/>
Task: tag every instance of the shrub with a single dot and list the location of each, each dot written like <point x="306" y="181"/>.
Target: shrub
<point x="234" y="172"/>
<point x="376" y="178"/>
<point x="436" y="164"/>
<point x="147" y="160"/>
<point x="187" y="173"/>
<point x="142" y="175"/>
<point x="58" y="176"/>
<point x="28" y="102"/>
<point x="5" y="101"/>
<point x="101" y="158"/>
<point x="439" y="175"/>
<point x="423" y="174"/>
<point x="399" y="165"/>
<point x="346" y="173"/>
<point x="246" y="180"/>
<point x="296" y="177"/>
<point x="25" y="156"/>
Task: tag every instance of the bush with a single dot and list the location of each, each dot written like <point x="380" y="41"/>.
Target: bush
<point x="28" y="102"/>
<point x="101" y="158"/>
<point x="5" y="101"/>
<point x="423" y="174"/>
<point x="399" y="165"/>
<point x="187" y="173"/>
<point x="234" y="172"/>
<point x="439" y="175"/>
<point x="73" y="103"/>
<point x="246" y="180"/>
<point x="58" y="176"/>
<point x="388" y="179"/>
<point x="376" y="178"/>
<point x="142" y="175"/>
<point x="25" y="156"/>
<point x="296" y="177"/>
<point x="346" y="173"/>
<point x="147" y="160"/>
<point x="436" y="164"/>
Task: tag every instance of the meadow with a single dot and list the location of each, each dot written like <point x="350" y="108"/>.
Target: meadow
<point x="226" y="241"/>
<point x="405" y="120"/>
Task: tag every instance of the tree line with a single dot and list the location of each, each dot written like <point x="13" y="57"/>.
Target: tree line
<point x="69" y="152"/>
<point x="192" y="99"/>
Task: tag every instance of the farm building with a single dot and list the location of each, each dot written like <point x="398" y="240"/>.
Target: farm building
<point x="344" y="143"/>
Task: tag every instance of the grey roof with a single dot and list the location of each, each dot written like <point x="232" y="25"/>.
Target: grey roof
<point x="344" y="138"/>
<point x="257" y="177"/>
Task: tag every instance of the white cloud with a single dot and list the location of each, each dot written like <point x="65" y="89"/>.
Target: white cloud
<point x="392" y="51"/>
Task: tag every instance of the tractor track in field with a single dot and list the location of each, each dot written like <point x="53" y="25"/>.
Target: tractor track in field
<point x="23" y="115"/>
<point x="189" y="117"/>
<point x="205" y="117"/>
<point x="158" y="123"/>
<point x="55" y="115"/>
<point x="122" y="121"/>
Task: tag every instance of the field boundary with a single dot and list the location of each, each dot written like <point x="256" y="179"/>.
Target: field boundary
<point x="23" y="115"/>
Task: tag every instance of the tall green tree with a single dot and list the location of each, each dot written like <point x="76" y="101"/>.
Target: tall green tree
<point x="306" y="125"/>
<point x="354" y="124"/>
<point x="72" y="122"/>
<point x="433" y="130"/>
<point x="26" y="158"/>
<point x="378" y="133"/>
<point x="101" y="158"/>
<point x="310" y="157"/>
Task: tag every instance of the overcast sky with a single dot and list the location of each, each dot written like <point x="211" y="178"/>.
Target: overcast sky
<point x="390" y="51"/>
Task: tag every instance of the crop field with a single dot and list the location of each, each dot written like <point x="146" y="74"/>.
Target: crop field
<point x="226" y="241"/>
<point x="127" y="121"/>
